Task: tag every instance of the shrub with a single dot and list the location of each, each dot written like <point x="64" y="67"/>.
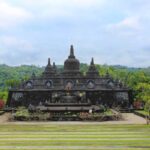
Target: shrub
<point x="2" y="104"/>
<point x="3" y="95"/>
<point x="22" y="114"/>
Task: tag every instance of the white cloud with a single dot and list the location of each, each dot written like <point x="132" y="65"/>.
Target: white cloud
<point x="60" y="8"/>
<point x="12" y="42"/>
<point x="71" y="3"/>
<point x="11" y="15"/>
<point x="55" y="24"/>
<point x="129" y="23"/>
<point x="86" y="3"/>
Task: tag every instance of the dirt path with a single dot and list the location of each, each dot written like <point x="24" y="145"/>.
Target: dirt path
<point x="131" y="118"/>
<point x="5" y="118"/>
<point x="128" y="118"/>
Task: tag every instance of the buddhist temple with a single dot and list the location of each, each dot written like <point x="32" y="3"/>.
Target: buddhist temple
<point x="69" y="90"/>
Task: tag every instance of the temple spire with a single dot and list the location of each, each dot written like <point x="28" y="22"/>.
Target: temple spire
<point x="49" y="62"/>
<point x="54" y="65"/>
<point x="107" y="74"/>
<point x="92" y="61"/>
<point x="92" y="71"/>
<point x="33" y="75"/>
<point x="71" y="52"/>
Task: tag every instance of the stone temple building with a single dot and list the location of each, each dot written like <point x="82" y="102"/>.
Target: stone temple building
<point x="69" y="90"/>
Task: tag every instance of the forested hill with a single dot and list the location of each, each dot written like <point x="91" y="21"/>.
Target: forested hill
<point x="17" y="73"/>
<point x="136" y="78"/>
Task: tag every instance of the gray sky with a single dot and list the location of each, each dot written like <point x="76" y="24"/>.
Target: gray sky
<point x="111" y="31"/>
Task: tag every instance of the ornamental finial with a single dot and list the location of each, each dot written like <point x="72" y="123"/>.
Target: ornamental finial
<point x="71" y="52"/>
<point x="49" y="62"/>
<point x="92" y="61"/>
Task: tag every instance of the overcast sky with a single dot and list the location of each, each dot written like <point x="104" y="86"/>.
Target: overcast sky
<point x="111" y="31"/>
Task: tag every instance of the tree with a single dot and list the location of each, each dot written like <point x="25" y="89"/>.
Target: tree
<point x="143" y="91"/>
<point x="3" y="95"/>
<point x="147" y="108"/>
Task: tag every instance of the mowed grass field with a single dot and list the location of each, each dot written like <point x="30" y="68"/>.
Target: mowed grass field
<point x="74" y="136"/>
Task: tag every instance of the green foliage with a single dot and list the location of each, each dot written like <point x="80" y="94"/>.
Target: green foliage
<point x="143" y="91"/>
<point x="11" y="76"/>
<point x="147" y="109"/>
<point x="108" y="112"/>
<point x="83" y="68"/>
<point x="147" y="106"/>
<point x="42" y="116"/>
<point x="22" y="112"/>
<point x="3" y="95"/>
<point x="12" y="83"/>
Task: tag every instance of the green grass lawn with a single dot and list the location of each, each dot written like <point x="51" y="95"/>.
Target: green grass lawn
<point x="58" y="136"/>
